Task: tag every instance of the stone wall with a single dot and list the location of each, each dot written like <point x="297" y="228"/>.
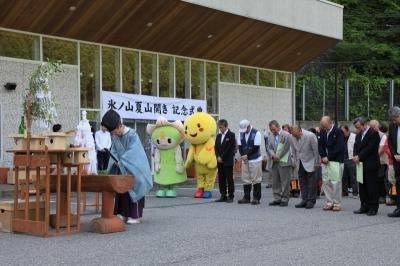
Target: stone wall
<point x="257" y="104"/>
<point x="65" y="92"/>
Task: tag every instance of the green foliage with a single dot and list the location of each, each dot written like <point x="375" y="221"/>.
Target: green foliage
<point x="368" y="56"/>
<point x="38" y="95"/>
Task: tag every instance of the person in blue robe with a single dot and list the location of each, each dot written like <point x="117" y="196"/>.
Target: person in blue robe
<point x="129" y="159"/>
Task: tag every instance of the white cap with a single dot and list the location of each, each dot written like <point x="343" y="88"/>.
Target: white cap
<point x="243" y="125"/>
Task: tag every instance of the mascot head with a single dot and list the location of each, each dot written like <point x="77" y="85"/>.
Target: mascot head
<point x="199" y="128"/>
<point x="166" y="135"/>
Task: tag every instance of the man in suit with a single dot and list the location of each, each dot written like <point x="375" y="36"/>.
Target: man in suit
<point x="331" y="149"/>
<point x="366" y="151"/>
<point x="249" y="142"/>
<point x="308" y="158"/>
<point x="282" y="163"/>
<point x="394" y="146"/>
<point x="225" y="148"/>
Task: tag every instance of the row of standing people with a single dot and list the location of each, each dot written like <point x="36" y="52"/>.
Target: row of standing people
<point x="310" y="154"/>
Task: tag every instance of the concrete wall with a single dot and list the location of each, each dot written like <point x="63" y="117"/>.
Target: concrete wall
<point x="315" y="16"/>
<point x="257" y="104"/>
<point x="64" y="90"/>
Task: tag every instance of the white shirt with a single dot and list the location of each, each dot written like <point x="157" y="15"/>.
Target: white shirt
<point x="257" y="142"/>
<point x="383" y="140"/>
<point x="223" y="135"/>
<point x="103" y="140"/>
<point x="364" y="132"/>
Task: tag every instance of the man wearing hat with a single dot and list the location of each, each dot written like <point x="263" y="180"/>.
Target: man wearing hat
<point x="129" y="158"/>
<point x="249" y="143"/>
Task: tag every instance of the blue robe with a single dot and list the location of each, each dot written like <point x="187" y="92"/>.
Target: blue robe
<point x="132" y="161"/>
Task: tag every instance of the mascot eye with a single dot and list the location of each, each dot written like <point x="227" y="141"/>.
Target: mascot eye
<point x="198" y="125"/>
<point x="169" y="141"/>
<point x="185" y="132"/>
<point x="186" y="127"/>
<point x="158" y="141"/>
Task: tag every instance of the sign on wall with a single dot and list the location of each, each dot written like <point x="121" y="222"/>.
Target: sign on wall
<point x="145" y="107"/>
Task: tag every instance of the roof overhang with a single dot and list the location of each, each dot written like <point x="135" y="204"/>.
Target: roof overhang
<point x="275" y="34"/>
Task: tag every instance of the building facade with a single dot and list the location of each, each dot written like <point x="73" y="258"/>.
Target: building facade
<point x="237" y="57"/>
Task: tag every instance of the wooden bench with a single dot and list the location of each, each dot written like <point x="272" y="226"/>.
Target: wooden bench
<point x="108" y="185"/>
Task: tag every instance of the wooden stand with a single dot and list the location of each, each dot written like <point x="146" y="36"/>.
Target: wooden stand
<point x="32" y="160"/>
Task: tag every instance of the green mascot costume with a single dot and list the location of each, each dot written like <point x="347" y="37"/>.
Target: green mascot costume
<point x="169" y="167"/>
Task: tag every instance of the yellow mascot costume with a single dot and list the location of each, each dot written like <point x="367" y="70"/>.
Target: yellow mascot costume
<point x="200" y="129"/>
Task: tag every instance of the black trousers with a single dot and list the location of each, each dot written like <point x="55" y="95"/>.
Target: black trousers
<point x="225" y="180"/>
<point x="256" y="191"/>
<point x="369" y="190"/>
<point x="349" y="178"/>
<point x="382" y="181"/>
<point x="308" y="185"/>
<point x="102" y="160"/>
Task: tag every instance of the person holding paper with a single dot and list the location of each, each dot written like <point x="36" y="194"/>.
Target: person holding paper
<point x="366" y="152"/>
<point x="249" y="142"/>
<point x="331" y="149"/>
<point x="279" y="144"/>
<point x="308" y="159"/>
<point x="394" y="146"/>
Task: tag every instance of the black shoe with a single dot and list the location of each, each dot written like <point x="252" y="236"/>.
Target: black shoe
<point x="309" y="205"/>
<point x="395" y="213"/>
<point x="344" y="194"/>
<point x="229" y="200"/>
<point x="302" y="204"/>
<point x="268" y="186"/>
<point x="372" y="213"/>
<point x="275" y="203"/>
<point x="221" y="199"/>
<point x="382" y="200"/>
<point x="244" y="201"/>
<point x="360" y="211"/>
<point x="255" y="202"/>
<point x="284" y="204"/>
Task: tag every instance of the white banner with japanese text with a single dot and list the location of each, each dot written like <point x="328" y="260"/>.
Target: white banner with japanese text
<point x="135" y="106"/>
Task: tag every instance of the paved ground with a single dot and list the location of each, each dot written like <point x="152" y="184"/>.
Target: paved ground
<point x="187" y="231"/>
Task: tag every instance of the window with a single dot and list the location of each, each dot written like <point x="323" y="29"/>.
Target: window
<point x="266" y="78"/>
<point x="229" y="73"/>
<point x="56" y="49"/>
<point x="182" y="74"/>
<point x="212" y="87"/>
<point x="110" y="69"/>
<point x="166" y="75"/>
<point x="19" y="45"/>
<point x="283" y="80"/>
<point x="197" y="82"/>
<point x="149" y="74"/>
<point x="130" y="71"/>
<point x="90" y="76"/>
<point x="248" y="75"/>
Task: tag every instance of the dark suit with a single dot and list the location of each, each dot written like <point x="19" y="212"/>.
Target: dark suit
<point x="226" y="150"/>
<point x="392" y="143"/>
<point x="334" y="143"/>
<point x="367" y="151"/>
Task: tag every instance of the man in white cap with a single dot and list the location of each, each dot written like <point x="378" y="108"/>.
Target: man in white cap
<point x="249" y="142"/>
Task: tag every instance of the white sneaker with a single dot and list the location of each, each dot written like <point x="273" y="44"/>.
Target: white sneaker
<point x="133" y="221"/>
<point x="121" y="217"/>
